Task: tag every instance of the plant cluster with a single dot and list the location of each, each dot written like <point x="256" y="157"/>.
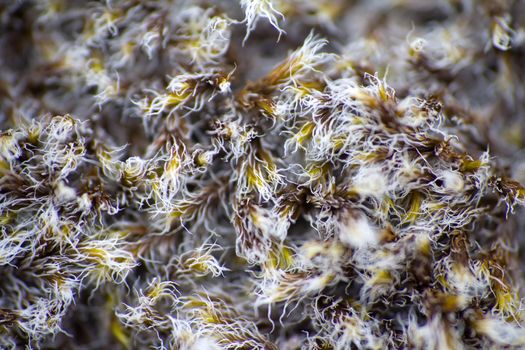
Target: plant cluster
<point x="262" y="174"/>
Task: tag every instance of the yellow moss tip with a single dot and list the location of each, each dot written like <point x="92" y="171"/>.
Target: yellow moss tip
<point x="471" y="165"/>
<point x="281" y="259"/>
<point x="119" y="333"/>
<point x="415" y="206"/>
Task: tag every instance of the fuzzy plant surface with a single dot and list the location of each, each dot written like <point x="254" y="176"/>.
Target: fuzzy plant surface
<point x="262" y="174"/>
